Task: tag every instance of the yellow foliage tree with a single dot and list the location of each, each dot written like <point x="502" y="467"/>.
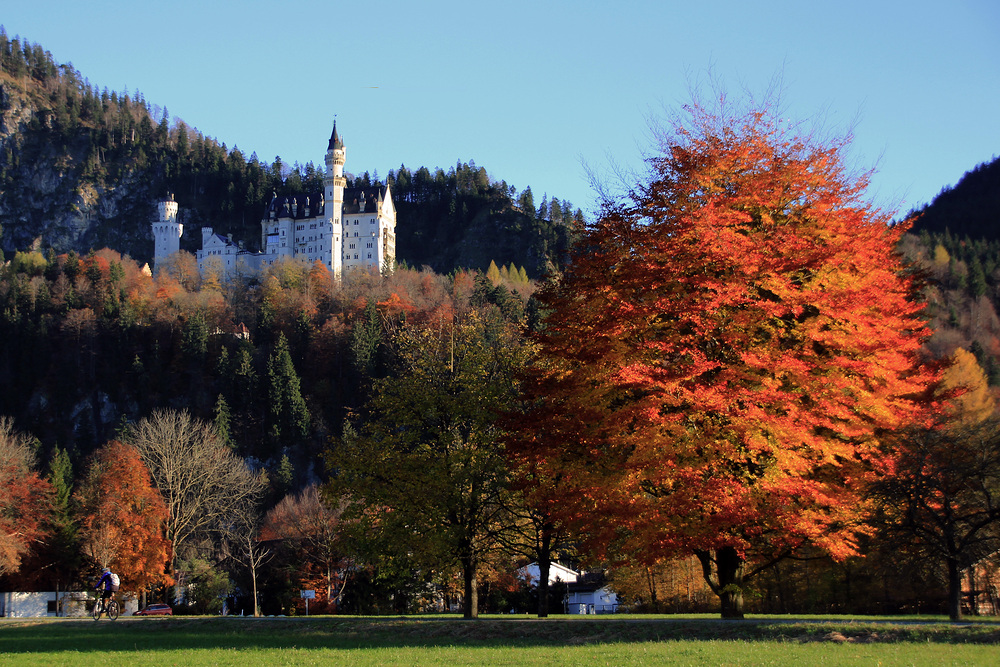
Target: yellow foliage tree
<point x="972" y="401"/>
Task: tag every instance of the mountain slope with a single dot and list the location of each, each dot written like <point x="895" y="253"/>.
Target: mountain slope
<point x="82" y="168"/>
<point x="970" y="208"/>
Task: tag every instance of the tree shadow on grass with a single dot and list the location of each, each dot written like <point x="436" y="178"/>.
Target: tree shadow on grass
<point x="162" y="634"/>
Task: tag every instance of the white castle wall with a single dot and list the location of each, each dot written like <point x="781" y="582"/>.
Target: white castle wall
<point x="364" y="240"/>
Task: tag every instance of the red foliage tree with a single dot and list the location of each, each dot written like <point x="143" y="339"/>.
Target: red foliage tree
<point x="723" y="351"/>
<point x="25" y="498"/>
<point x="123" y="518"/>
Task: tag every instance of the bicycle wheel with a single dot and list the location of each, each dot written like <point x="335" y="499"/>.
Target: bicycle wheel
<point x="113" y="610"/>
<point x="97" y="610"/>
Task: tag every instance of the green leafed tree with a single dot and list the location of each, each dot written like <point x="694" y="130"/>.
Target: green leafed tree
<point x="425" y="473"/>
<point x="493" y="273"/>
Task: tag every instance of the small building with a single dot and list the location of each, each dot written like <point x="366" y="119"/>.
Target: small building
<point x="22" y="604"/>
<point x="589" y="594"/>
<point x="531" y="573"/>
<point x="42" y="604"/>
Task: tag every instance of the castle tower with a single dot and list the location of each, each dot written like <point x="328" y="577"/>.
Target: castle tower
<point x="166" y="231"/>
<point x="334" y="184"/>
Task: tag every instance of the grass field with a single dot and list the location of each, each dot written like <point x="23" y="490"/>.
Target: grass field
<point x="423" y="640"/>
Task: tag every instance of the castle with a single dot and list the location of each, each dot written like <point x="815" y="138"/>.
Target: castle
<point x="343" y="228"/>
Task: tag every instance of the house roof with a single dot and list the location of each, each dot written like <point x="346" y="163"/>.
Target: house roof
<point x="591" y="581"/>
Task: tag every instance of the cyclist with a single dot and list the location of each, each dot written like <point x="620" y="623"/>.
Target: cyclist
<point x="109" y="581"/>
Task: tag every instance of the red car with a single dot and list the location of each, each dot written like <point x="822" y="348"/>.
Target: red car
<point x="156" y="610"/>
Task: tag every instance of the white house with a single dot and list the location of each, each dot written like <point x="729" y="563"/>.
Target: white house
<point x="41" y="604"/>
<point x="589" y="595"/>
<point x="74" y="604"/>
<point x="557" y="573"/>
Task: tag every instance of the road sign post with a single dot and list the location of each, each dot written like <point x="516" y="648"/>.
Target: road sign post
<point x="307" y="595"/>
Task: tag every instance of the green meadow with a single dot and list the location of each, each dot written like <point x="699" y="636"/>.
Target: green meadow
<point x="423" y="640"/>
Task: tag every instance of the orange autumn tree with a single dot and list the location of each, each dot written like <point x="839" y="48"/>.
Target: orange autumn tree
<point x="123" y="518"/>
<point x="724" y="349"/>
<point x="25" y="498"/>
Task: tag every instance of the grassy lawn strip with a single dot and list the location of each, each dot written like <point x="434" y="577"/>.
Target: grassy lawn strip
<point x="437" y="640"/>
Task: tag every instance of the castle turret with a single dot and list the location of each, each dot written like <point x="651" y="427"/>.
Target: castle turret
<point x="334" y="181"/>
<point x="334" y="184"/>
<point x="166" y="231"/>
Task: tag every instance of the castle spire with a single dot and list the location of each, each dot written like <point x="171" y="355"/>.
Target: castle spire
<point x="335" y="142"/>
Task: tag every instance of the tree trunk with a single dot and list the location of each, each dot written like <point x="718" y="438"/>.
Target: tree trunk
<point x="470" y="605"/>
<point x="727" y="579"/>
<point x="544" y="554"/>
<point x="654" y="603"/>
<point x="253" y="576"/>
<point x="973" y="596"/>
<point x="543" y="587"/>
<point x="731" y="568"/>
<point x="954" y="590"/>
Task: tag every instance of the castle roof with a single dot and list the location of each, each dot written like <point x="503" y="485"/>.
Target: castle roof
<point x="335" y="140"/>
<point x="294" y="206"/>
<point x="371" y="196"/>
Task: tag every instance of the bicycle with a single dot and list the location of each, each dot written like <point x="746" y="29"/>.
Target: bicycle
<point x="110" y="607"/>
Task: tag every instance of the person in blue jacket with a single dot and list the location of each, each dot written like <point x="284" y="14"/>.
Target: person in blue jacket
<point x="107" y="585"/>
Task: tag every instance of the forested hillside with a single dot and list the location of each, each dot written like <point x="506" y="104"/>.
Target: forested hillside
<point x="955" y="240"/>
<point x="962" y="289"/>
<point x="81" y="168"/>
<point x="969" y="209"/>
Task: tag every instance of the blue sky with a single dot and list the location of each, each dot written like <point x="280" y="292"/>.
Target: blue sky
<point x="540" y="92"/>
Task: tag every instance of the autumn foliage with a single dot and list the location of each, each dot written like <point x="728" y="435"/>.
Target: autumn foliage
<point x="724" y="349"/>
<point x="311" y="526"/>
<point x="123" y="518"/>
<point x="25" y="498"/>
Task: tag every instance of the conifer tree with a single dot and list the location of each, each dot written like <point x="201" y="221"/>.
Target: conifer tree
<point x="222" y="421"/>
<point x="493" y="273"/>
<point x="288" y="414"/>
